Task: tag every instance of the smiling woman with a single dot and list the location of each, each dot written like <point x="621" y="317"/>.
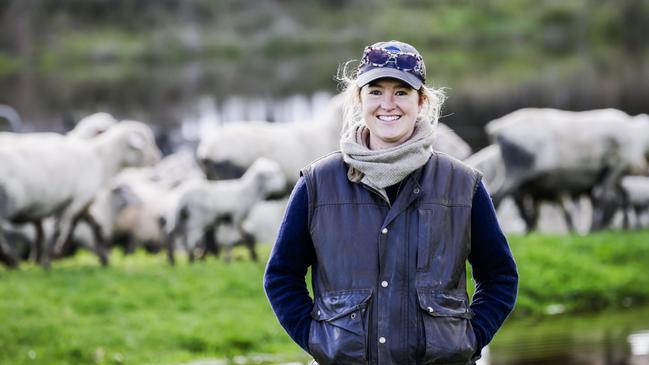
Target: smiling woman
<point x="387" y="226"/>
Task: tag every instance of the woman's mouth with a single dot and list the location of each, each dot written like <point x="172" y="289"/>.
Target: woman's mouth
<point x="388" y="118"/>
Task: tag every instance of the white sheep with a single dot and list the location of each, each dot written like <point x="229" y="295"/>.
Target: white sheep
<point x="88" y="127"/>
<point x="47" y="174"/>
<point x="204" y="205"/>
<point x="550" y="153"/>
<point x="130" y="208"/>
<point x="229" y="150"/>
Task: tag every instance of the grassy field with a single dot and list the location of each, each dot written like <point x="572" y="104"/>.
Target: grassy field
<point x="141" y="311"/>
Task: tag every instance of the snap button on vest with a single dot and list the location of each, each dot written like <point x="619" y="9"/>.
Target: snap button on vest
<point x="384" y="231"/>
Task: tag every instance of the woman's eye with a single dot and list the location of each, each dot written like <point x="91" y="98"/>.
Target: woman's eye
<point x="375" y="92"/>
<point x="401" y="93"/>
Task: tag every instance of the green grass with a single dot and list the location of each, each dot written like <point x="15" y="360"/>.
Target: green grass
<point x="141" y="311"/>
<point x="137" y="311"/>
<point x="581" y="273"/>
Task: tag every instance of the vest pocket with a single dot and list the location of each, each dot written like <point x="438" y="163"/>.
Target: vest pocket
<point x="338" y="333"/>
<point x="449" y="335"/>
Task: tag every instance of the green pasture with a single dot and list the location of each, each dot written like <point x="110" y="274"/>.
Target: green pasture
<point x="142" y="311"/>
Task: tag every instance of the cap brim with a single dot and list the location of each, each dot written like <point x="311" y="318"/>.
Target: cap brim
<point x="382" y="72"/>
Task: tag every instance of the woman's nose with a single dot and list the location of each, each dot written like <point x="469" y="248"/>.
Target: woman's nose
<point x="388" y="102"/>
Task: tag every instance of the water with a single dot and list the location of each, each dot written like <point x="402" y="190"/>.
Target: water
<point x="604" y="339"/>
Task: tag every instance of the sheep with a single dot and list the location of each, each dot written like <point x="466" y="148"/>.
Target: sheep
<point x="88" y="127"/>
<point x="130" y="208"/>
<point x="47" y="174"/>
<point x="228" y="151"/>
<point x="554" y="153"/>
<point x="490" y="162"/>
<point x="635" y="195"/>
<point x="205" y="205"/>
<point x="261" y="225"/>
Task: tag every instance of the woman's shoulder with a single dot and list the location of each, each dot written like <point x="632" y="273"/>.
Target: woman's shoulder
<point x="328" y="162"/>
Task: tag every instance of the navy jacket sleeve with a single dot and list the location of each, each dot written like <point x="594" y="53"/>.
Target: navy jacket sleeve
<point x="284" y="280"/>
<point x="494" y="270"/>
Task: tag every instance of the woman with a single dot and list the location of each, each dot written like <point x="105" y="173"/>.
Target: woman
<point x="387" y="226"/>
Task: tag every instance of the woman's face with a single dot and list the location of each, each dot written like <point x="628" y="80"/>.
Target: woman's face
<point x="389" y="109"/>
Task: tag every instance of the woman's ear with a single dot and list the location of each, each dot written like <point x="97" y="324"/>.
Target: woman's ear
<point x="422" y="100"/>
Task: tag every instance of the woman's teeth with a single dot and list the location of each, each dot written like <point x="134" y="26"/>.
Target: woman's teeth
<point x="389" y="118"/>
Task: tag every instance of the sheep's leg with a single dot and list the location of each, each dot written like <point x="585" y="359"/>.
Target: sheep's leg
<point x="250" y="243"/>
<point x="61" y="230"/>
<point x="169" y="243"/>
<point x="564" y="202"/>
<point x="638" y="217"/>
<point x="7" y="253"/>
<point x="228" y="253"/>
<point x="129" y="245"/>
<point x="190" y="242"/>
<point x="100" y="243"/>
<point x="63" y="240"/>
<point x="36" y="252"/>
<point x="625" y="217"/>
<point x="217" y="245"/>
<point x="606" y="197"/>
<point x="527" y="213"/>
<point x="209" y="243"/>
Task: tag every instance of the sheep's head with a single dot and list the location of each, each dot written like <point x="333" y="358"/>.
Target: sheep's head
<point x="270" y="176"/>
<point x="138" y="143"/>
<point x="93" y="125"/>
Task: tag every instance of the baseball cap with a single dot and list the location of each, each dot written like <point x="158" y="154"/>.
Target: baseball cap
<point x="391" y="59"/>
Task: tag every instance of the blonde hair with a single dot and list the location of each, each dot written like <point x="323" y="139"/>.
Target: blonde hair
<point x="432" y="99"/>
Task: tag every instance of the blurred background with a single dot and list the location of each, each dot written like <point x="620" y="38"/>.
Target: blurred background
<point x="185" y="67"/>
<point x="163" y="61"/>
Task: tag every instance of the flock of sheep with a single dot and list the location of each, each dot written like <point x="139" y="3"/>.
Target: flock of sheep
<point x="104" y="182"/>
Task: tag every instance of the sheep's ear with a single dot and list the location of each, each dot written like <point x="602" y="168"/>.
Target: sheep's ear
<point x="136" y="141"/>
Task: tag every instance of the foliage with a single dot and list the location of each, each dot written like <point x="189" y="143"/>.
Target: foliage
<point x="72" y="32"/>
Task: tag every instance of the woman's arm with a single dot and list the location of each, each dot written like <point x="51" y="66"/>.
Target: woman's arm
<point x="284" y="280"/>
<point x="494" y="270"/>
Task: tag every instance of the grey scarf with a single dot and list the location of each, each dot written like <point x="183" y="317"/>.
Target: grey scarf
<point x="382" y="168"/>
